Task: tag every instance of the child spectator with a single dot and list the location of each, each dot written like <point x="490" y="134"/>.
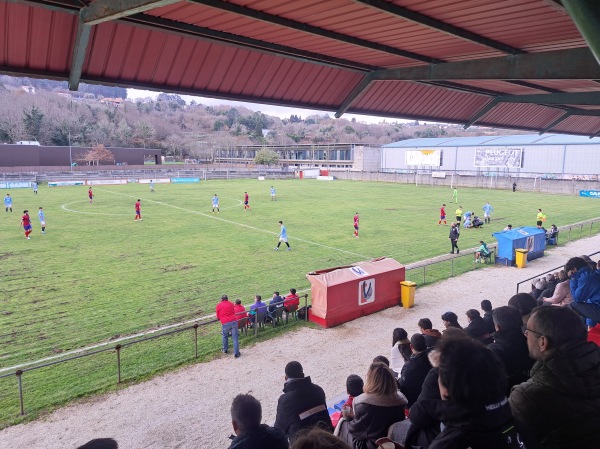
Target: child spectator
<point x="486" y="306"/>
<point x="291" y="300"/>
<point x="239" y="309"/>
<point x="450" y="320"/>
<point x="354" y="387"/>
<point x="400" y="352"/>
<point x="432" y="335"/>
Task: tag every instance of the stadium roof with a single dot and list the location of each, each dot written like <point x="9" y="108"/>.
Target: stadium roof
<point x="525" y="64"/>
<point x="495" y="141"/>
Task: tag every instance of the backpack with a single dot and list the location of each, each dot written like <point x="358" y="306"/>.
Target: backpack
<point x="302" y="312"/>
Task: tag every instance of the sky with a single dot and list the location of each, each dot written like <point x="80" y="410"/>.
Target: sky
<point x="276" y="111"/>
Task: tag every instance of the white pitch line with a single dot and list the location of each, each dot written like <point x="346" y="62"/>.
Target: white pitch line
<point x="64" y="207"/>
<point x="254" y="228"/>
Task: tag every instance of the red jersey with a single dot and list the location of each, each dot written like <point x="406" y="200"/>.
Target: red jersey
<point x="246" y="197"/>
<point x="442" y="211"/>
<point x="356" y="220"/>
<point x="137" y="206"/>
<point x="90" y="193"/>
<point x="26" y="220"/>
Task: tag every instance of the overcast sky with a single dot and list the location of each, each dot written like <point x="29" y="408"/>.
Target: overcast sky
<point x="276" y="111"/>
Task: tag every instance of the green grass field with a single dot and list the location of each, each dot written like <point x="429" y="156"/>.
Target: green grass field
<point x="97" y="274"/>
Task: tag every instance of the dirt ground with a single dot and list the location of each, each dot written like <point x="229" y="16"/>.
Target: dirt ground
<point x="189" y="408"/>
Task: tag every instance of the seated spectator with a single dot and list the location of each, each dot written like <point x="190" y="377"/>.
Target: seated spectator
<point x="510" y="345"/>
<point x="524" y="303"/>
<point x="382" y="359"/>
<point x="486" y="306"/>
<point x="477" y="327"/>
<point x="551" y="233"/>
<point x="318" y="439"/>
<point x="401" y="351"/>
<point x="258" y="307"/>
<point x="558" y="406"/>
<point x="450" y="320"/>
<point x="540" y="286"/>
<point x="508" y="228"/>
<point x="475" y="411"/>
<point x="562" y="292"/>
<point x="274" y="304"/>
<point x="100" y="443"/>
<point x="302" y="404"/>
<point x="589" y="261"/>
<point x="354" y="387"/>
<point x="377" y="408"/>
<point x="482" y="252"/>
<point x="246" y="415"/>
<point x="415" y="369"/>
<point x="551" y="282"/>
<point x="585" y="290"/>
<point x="291" y="300"/>
<point x="477" y="222"/>
<point x="432" y="336"/>
<point x="239" y="309"/>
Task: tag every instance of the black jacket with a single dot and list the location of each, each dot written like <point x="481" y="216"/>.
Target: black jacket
<point x="261" y="437"/>
<point x="432" y="336"/>
<point x="412" y="376"/>
<point x="373" y="415"/>
<point x="511" y="348"/>
<point x="489" y="320"/>
<point x="478" y="330"/>
<point x="558" y="406"/>
<point x="299" y="396"/>
<point x="454" y="233"/>
<point x="425" y="414"/>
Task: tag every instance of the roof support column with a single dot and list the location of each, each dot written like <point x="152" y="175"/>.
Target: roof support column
<point x="586" y="16"/>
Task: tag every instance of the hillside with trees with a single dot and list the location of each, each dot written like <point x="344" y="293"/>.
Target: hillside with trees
<point x="98" y="115"/>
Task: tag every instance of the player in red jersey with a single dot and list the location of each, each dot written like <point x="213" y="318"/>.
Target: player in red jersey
<point x="90" y="195"/>
<point x="356" y="225"/>
<point x="246" y="201"/>
<point x="442" y="215"/>
<point x="26" y="223"/>
<point x="138" y="211"/>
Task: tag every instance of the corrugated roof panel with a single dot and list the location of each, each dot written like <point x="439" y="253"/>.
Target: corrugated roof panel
<point x="570" y="85"/>
<point x="579" y="124"/>
<point x="530" y="116"/>
<point x="503" y="87"/>
<point x="510" y="140"/>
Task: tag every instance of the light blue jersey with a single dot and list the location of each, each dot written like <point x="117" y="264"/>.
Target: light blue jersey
<point x="41" y="216"/>
<point x="272" y="190"/>
<point x="283" y="233"/>
<point x="488" y="209"/>
<point x="215" y="201"/>
<point x="7" y="201"/>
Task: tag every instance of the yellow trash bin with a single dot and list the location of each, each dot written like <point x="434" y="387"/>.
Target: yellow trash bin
<point x="407" y="293"/>
<point x="521" y="257"/>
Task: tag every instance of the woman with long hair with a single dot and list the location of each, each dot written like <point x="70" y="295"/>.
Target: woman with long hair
<point x="401" y="351"/>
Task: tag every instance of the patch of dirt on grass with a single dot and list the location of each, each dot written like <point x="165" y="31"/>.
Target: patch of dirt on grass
<point x="177" y="268"/>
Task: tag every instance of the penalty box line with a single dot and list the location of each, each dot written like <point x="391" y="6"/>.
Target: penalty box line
<point x="235" y="223"/>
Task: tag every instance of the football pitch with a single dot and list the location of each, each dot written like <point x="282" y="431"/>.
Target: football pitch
<point x="97" y="274"/>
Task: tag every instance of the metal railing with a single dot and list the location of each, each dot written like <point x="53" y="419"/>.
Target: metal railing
<point x="560" y="267"/>
<point x="117" y="348"/>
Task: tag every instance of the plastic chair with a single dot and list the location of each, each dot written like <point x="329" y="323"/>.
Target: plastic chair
<point x="243" y="324"/>
<point x="277" y="314"/>
<point x="291" y="310"/>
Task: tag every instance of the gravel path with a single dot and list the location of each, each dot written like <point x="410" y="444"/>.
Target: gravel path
<point x="189" y="408"/>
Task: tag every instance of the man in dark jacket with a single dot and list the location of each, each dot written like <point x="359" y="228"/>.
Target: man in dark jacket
<point x="585" y="289"/>
<point x="486" y="306"/>
<point x="415" y="369"/>
<point x="510" y="345"/>
<point x="246" y="415"/>
<point x="302" y="403"/>
<point x="477" y="328"/>
<point x="432" y="336"/>
<point x="453" y="236"/>
<point x="558" y="406"/>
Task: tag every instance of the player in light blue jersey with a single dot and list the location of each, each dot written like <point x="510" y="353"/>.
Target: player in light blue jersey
<point x="8" y="202"/>
<point x="273" y="195"/>
<point x="215" y="204"/>
<point x="151" y="185"/>
<point x="487" y="211"/>
<point x="283" y="237"/>
<point x="42" y="219"/>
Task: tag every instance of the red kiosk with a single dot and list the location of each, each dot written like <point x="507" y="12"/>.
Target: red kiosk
<point x="343" y="294"/>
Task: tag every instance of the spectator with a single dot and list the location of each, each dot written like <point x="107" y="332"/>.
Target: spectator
<point x="524" y="303"/>
<point x="585" y="290"/>
<point x="226" y="315"/>
<point x="475" y="410"/>
<point x="382" y="359"/>
<point x="354" y="388"/>
<point x="415" y="369"/>
<point x="401" y="351"/>
<point x="275" y="304"/>
<point x="551" y="282"/>
<point x="558" y="406"/>
<point x="552" y="233"/>
<point x="291" y="301"/>
<point x="377" y="408"/>
<point x="318" y="439"/>
<point x="539" y="287"/>
<point x="508" y="228"/>
<point x="477" y="327"/>
<point x="240" y="310"/>
<point x="432" y="336"/>
<point x="486" y="306"/>
<point x="100" y="443"/>
<point x="259" y="308"/>
<point x="302" y="404"/>
<point x="589" y="261"/>
<point x="450" y="320"/>
<point x="510" y="345"/>
<point x="246" y="415"/>
<point x="562" y="292"/>
<point x="482" y="252"/>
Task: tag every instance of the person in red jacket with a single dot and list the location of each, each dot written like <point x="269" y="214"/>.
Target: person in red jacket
<point x="226" y="315"/>
<point x="240" y="310"/>
<point x="291" y="300"/>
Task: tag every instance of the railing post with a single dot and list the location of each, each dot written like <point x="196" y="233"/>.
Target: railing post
<point x="591" y="225"/>
<point x="19" y="373"/>
<point x="196" y="340"/>
<point x="424" y="266"/>
<point x="306" y="307"/>
<point x="452" y="270"/>
<point x="118" y="349"/>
